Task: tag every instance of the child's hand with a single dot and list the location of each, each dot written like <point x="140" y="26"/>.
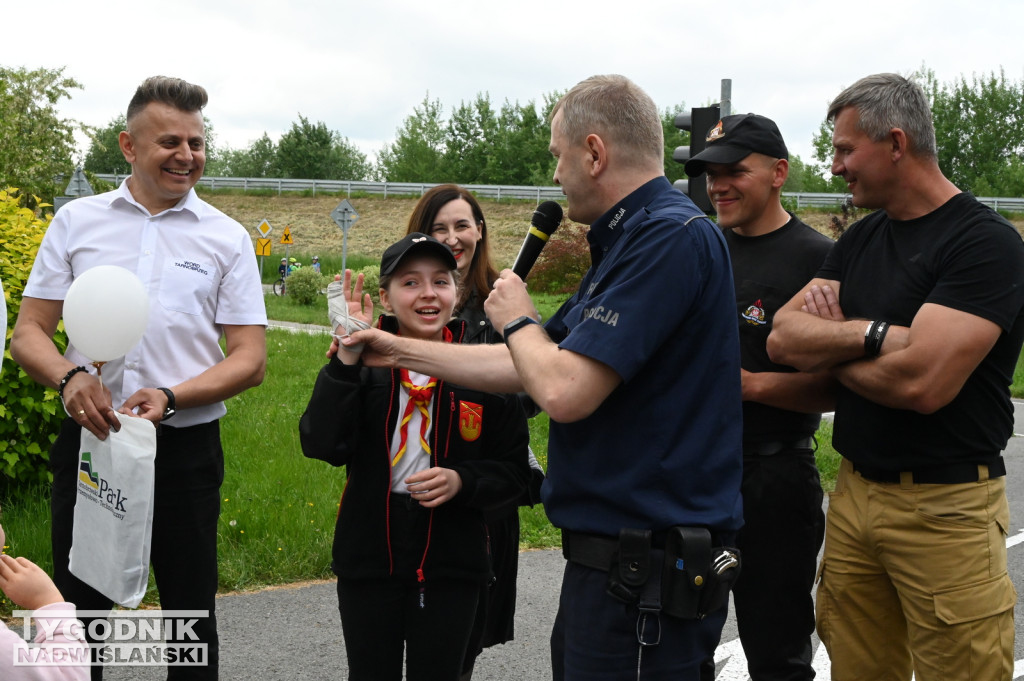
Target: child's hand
<point x="434" y="486"/>
<point x="360" y="305"/>
<point x="26" y="584"/>
<point x="350" y="310"/>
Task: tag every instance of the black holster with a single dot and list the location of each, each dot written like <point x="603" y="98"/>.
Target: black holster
<point x="696" y="578"/>
<point x="689" y="579"/>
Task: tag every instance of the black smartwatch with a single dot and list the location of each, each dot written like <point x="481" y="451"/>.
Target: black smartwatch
<point x="169" y="411"/>
<point x="515" y="325"/>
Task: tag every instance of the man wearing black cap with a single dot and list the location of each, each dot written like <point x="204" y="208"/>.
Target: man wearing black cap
<point x="773" y="253"/>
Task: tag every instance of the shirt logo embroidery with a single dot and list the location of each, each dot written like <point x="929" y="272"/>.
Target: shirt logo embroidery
<point x="471" y="420"/>
<point x="755" y="314"/>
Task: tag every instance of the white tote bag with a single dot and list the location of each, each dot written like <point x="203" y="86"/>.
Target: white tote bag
<point x="114" y="511"/>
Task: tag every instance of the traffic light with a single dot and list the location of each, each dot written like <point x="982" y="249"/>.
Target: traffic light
<point x="697" y="123"/>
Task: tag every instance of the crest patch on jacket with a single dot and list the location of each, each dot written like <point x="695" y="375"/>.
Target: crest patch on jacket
<point x="471" y="420"/>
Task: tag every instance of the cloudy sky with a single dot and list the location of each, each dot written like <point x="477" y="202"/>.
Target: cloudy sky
<point x="361" y="66"/>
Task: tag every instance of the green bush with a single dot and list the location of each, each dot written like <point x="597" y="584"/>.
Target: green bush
<point x="562" y="264"/>
<point x="305" y="285"/>
<point x="30" y="414"/>
<point x="371" y="281"/>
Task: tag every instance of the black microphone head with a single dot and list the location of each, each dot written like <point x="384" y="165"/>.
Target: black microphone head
<point x="547" y="217"/>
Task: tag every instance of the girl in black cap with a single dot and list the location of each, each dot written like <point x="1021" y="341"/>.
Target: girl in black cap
<point x="452" y="215"/>
<point x="424" y="460"/>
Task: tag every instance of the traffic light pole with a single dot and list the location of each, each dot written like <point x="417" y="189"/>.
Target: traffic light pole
<point x="697" y="122"/>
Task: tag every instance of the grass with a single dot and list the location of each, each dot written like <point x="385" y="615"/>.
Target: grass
<point x="285" y="309"/>
<point x="1017" y="387"/>
<point x="826" y="456"/>
<point x="329" y="263"/>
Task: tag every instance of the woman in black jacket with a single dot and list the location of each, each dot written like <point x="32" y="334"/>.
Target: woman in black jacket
<point x="424" y="460"/>
<point x="453" y="216"/>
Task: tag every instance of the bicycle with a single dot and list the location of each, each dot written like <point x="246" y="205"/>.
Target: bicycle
<point x="279" y="287"/>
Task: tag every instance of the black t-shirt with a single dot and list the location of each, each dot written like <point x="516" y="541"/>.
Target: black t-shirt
<point x="963" y="256"/>
<point x="768" y="270"/>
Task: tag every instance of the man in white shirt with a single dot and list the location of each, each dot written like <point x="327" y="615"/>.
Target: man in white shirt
<point x="199" y="268"/>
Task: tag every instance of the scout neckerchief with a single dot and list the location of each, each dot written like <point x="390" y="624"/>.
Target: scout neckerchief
<point x="419" y="398"/>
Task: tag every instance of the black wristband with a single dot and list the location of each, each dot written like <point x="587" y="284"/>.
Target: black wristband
<point x="67" y="377"/>
<point x="515" y="325"/>
<point x="874" y="338"/>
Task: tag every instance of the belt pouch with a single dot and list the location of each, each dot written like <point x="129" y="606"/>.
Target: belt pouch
<point x="685" y="570"/>
<point x="630" y="566"/>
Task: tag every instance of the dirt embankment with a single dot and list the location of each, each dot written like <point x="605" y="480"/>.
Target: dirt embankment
<point x="382" y="221"/>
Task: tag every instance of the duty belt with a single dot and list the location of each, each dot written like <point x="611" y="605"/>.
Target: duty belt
<point x="776" y="446"/>
<point x="589" y="550"/>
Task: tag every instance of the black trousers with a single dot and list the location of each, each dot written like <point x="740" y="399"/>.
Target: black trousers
<point x="596" y="638"/>
<point x="189" y="473"/>
<point x="782" y="533"/>
<point x="382" y="618"/>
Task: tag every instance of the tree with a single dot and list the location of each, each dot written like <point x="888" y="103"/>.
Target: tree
<point x="674" y="137"/>
<point x="979" y="131"/>
<point x="416" y="153"/>
<point x="258" y="160"/>
<point x="468" y="138"/>
<point x="36" y="144"/>
<point x="519" y="154"/>
<point x="313" y="151"/>
<point x="104" y="155"/>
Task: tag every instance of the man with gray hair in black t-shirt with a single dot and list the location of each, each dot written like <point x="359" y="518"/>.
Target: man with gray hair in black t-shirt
<point x="773" y="255"/>
<point x="918" y="312"/>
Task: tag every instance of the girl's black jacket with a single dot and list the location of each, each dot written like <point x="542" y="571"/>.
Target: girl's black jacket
<point x="350" y="420"/>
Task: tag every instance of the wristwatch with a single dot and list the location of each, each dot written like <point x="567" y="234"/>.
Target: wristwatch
<point x="170" y="410"/>
<point x="515" y="325"/>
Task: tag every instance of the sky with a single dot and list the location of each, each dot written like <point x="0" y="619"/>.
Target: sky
<point x="361" y="67"/>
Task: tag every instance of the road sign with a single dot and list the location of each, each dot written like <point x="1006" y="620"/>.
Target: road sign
<point x="265" y="228"/>
<point x="286" y="238"/>
<point x="262" y="246"/>
<point x="344" y="215"/>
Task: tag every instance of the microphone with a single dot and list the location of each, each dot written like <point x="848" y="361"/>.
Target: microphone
<point x="545" y="221"/>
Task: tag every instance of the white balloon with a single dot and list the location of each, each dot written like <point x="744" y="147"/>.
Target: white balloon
<point x="105" y="312"/>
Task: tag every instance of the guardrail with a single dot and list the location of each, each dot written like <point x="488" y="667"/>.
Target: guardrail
<point x="281" y="185"/>
<point x="807" y="200"/>
<point x="349" y="187"/>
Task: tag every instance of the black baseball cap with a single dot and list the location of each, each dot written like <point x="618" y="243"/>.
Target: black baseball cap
<point x="734" y="138"/>
<point x="410" y="244"/>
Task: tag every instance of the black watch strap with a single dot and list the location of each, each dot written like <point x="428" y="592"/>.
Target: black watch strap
<point x="515" y="325"/>
<point x="170" y="410"/>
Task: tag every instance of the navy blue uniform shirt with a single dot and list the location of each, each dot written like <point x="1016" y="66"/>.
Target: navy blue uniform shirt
<point x="656" y="306"/>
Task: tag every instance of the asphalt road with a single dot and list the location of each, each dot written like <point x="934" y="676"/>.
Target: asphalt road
<point x="294" y="632"/>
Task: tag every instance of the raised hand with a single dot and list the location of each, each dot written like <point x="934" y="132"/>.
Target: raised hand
<point x="350" y="310"/>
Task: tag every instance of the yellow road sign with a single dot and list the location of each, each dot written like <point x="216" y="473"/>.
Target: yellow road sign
<point x="286" y="238"/>
<point x="262" y="246"/>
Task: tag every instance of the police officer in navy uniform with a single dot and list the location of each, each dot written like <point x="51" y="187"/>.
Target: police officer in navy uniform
<point x="639" y="373"/>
